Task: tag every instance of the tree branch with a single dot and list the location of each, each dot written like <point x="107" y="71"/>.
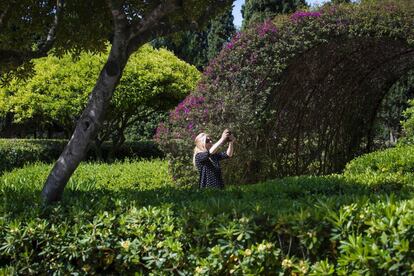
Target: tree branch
<point x="155" y="16"/>
<point x="152" y="25"/>
<point x="118" y="15"/>
<point x="4" y="13"/>
<point x="51" y="35"/>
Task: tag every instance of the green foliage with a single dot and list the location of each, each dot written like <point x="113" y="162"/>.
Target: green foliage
<point x="190" y="46"/>
<point x="257" y="11"/>
<point x="395" y="108"/>
<point x="15" y="153"/>
<point x="26" y="24"/>
<point x="340" y="1"/>
<point x="153" y="81"/>
<point x="408" y="124"/>
<point x="390" y="168"/>
<point x="198" y="47"/>
<point x="56" y="94"/>
<point x="30" y="28"/>
<point x="220" y="32"/>
<point x="130" y="217"/>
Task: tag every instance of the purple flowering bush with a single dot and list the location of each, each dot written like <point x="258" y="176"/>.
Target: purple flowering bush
<point x="255" y="88"/>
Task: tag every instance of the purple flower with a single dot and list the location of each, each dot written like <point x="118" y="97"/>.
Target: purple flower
<point x="230" y="45"/>
<point x="185" y="107"/>
<point x="300" y="15"/>
<point x="266" y="27"/>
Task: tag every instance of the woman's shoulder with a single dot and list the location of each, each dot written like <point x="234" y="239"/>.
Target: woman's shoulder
<point x="202" y="154"/>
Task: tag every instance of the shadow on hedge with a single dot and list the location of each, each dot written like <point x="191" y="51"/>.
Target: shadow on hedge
<point x="277" y="197"/>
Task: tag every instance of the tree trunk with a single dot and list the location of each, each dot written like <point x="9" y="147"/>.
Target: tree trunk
<point x="88" y="125"/>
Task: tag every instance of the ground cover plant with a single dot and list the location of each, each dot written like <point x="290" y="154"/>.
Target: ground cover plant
<point x="130" y="217"/>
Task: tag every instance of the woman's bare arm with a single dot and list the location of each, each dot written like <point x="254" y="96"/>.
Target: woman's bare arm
<point x="230" y="149"/>
<point x="223" y="139"/>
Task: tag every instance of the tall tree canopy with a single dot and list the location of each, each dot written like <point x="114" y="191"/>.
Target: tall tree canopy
<point x="190" y="46"/>
<point x="198" y="47"/>
<point x="30" y="29"/>
<point x="255" y="11"/>
<point x="25" y="26"/>
<point x="220" y="31"/>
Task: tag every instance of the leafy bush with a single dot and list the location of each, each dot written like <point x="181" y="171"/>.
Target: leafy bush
<point x="16" y="153"/>
<point x="153" y="81"/>
<point x="408" y="125"/>
<point x="285" y="89"/>
<point x="129" y="217"/>
<point x="394" y="165"/>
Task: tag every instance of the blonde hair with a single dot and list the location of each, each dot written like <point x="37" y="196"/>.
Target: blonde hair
<point x="200" y="145"/>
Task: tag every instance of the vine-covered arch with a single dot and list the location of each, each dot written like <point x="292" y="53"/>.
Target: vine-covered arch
<point x="328" y="99"/>
<point x="301" y="92"/>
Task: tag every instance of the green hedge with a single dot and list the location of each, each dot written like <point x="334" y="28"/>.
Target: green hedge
<point x="394" y="165"/>
<point x="128" y="217"/>
<point x="16" y="153"/>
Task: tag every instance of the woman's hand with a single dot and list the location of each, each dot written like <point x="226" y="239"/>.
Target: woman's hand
<point x="225" y="136"/>
<point x="231" y="138"/>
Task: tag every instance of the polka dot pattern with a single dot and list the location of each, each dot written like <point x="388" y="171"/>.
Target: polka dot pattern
<point x="208" y="166"/>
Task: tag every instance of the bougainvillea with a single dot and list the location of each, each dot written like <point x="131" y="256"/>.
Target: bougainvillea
<point x="301" y="92"/>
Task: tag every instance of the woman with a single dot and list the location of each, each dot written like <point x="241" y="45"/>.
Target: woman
<point x="207" y="158"/>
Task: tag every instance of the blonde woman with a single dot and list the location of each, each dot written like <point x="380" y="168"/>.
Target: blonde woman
<point x="207" y="158"/>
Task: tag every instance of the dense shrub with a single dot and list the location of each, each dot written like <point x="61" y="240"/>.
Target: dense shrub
<point x="408" y="125"/>
<point x="287" y="90"/>
<point x="129" y="217"/>
<point x="15" y="153"/>
<point x="392" y="166"/>
<point x="153" y="81"/>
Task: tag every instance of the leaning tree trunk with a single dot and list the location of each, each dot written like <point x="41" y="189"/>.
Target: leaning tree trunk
<point x="87" y="127"/>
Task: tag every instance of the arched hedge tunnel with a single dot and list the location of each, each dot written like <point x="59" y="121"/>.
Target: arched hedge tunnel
<point x="302" y="94"/>
<point x="328" y="99"/>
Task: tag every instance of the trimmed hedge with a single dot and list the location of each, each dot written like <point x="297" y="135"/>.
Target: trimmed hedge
<point x="16" y="153"/>
<point x="392" y="166"/>
<point x="129" y="217"/>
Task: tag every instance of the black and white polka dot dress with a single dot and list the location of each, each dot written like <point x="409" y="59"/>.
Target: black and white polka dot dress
<point x="208" y="166"/>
